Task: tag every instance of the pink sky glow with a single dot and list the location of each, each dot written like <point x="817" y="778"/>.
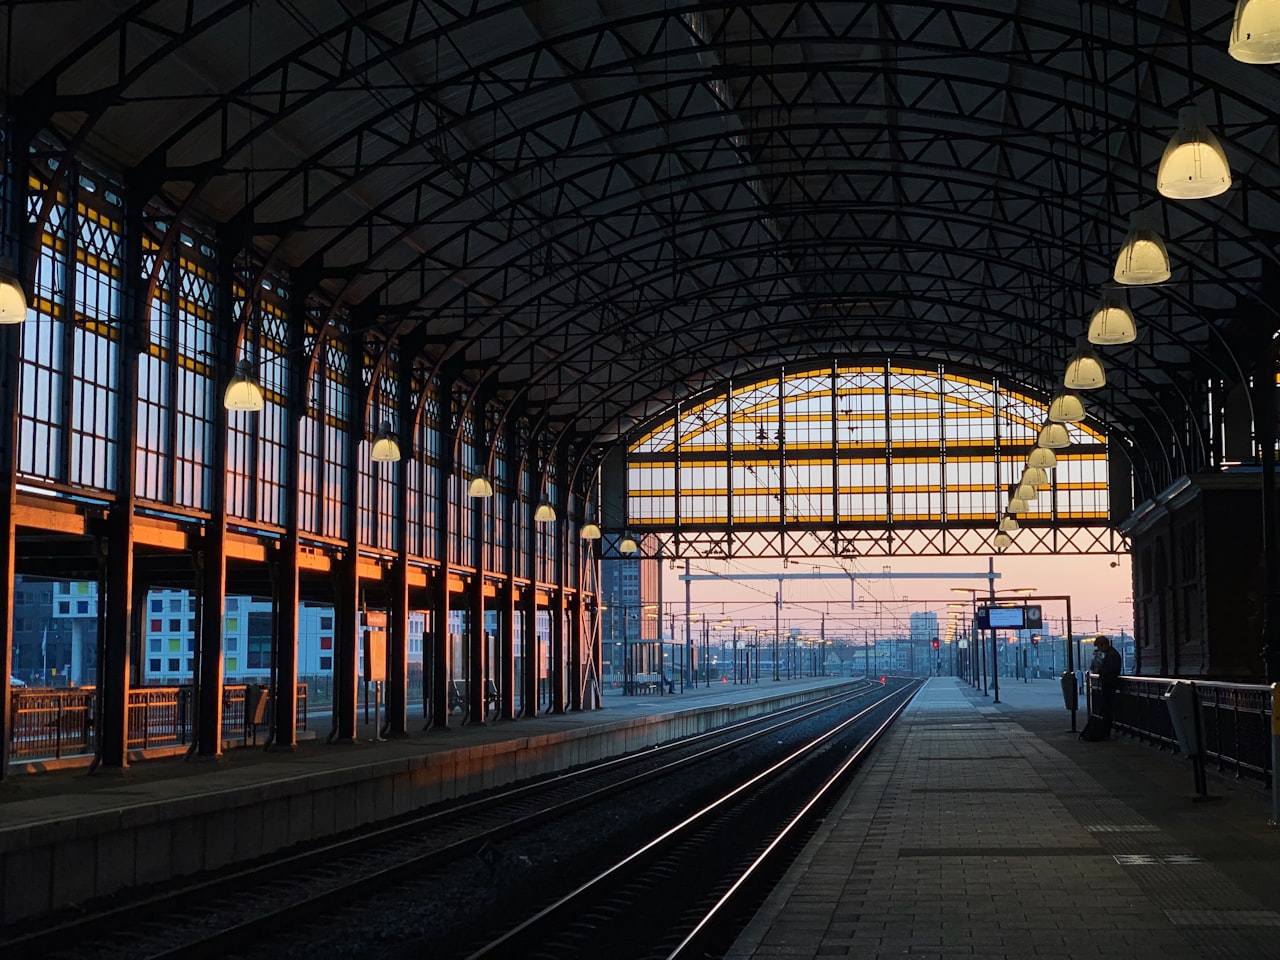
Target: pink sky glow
<point x="883" y="607"/>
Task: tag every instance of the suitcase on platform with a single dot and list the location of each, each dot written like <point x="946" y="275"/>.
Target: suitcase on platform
<point x="1093" y="730"/>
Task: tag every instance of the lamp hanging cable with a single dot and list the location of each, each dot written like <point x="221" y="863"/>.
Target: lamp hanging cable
<point x="244" y="391"/>
<point x="13" y="298"/>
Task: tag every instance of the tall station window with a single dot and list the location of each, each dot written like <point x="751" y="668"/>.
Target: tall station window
<point x="424" y="475"/>
<point x="70" y="352"/>
<point x="875" y="445"/>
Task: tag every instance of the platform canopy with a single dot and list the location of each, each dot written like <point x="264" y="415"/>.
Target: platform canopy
<point x="591" y="210"/>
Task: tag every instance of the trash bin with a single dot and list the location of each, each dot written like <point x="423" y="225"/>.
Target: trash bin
<point x="1070" y="695"/>
<point x="1180" y="698"/>
<point x="255" y="704"/>
<point x="1184" y="714"/>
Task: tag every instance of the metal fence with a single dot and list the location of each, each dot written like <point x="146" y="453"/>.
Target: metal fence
<point x="1235" y="721"/>
<point x="50" y="724"/>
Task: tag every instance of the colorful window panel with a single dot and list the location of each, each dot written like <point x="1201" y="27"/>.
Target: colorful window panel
<point x="498" y="514"/>
<point x="548" y="543"/>
<point x="311" y="433"/>
<point x="241" y="426"/>
<point x="155" y="406"/>
<point x="386" y="475"/>
<point x="425" y="480"/>
<point x="476" y="460"/>
<point x="273" y="419"/>
<point x="196" y="388"/>
<point x="41" y="438"/>
<point x="95" y="343"/>
<point x="336" y="407"/>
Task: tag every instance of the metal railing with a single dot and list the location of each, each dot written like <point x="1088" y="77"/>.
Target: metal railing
<point x="50" y="724"/>
<point x="1235" y="721"/>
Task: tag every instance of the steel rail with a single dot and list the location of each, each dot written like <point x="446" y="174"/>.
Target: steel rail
<point x="800" y="820"/>
<point x="578" y="901"/>
<point x="87" y="935"/>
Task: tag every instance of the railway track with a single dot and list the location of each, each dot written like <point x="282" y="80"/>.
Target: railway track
<point x="222" y="915"/>
<point x="688" y="890"/>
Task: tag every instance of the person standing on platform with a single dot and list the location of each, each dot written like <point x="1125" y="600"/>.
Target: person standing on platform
<point x="1106" y="664"/>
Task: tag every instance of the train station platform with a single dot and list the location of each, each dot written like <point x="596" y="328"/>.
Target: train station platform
<point x="983" y="830"/>
<point x="67" y="837"/>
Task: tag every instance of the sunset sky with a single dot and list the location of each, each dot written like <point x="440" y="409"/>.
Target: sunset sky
<point x="884" y="605"/>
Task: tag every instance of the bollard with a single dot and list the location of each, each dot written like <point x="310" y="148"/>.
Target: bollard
<point x="1275" y="755"/>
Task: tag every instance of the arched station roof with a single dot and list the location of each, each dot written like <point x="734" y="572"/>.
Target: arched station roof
<point x="594" y="209"/>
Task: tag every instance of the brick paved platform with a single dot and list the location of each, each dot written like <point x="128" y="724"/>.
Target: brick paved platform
<point x="983" y="830"/>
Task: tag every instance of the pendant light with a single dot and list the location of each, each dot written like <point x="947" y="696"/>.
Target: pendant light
<point x="1017" y="505"/>
<point x="1143" y="258"/>
<point x="13" y="300"/>
<point x="1112" y="320"/>
<point x="1255" y="32"/>
<point x="1023" y="491"/>
<point x="1043" y="457"/>
<point x="244" y="392"/>
<point x="386" y="449"/>
<point x="627" y="545"/>
<point x="590" y="531"/>
<point x="1036" y="476"/>
<point x="545" y="513"/>
<point x="1193" y="166"/>
<point x="1084" y="371"/>
<point x="1002" y="541"/>
<point x="1067" y="407"/>
<point x="1008" y="524"/>
<point x="1053" y="436"/>
<point x="480" y="487"/>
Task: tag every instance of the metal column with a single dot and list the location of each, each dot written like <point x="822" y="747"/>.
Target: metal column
<point x="346" y="579"/>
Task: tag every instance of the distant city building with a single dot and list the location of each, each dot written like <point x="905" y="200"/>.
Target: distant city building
<point x="924" y="628"/>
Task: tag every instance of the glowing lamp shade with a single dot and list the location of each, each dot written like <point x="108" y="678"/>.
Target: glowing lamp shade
<point x="1002" y="541"/>
<point x="1067" y="407"/>
<point x="1084" y="372"/>
<point x="1143" y="258"/>
<point x="1193" y="166"/>
<point x="385" y="447"/>
<point x="1024" y="491"/>
<point x="1042" y="457"/>
<point x="1255" y="33"/>
<point x="627" y="545"/>
<point x="1112" y="320"/>
<point x="1036" y="476"/>
<point x="590" y="531"/>
<point x="13" y="300"/>
<point x="1008" y="524"/>
<point x="1053" y="436"/>
<point x="1019" y="506"/>
<point x="479" y="487"/>
<point x="545" y="513"/>
<point x="243" y="392"/>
